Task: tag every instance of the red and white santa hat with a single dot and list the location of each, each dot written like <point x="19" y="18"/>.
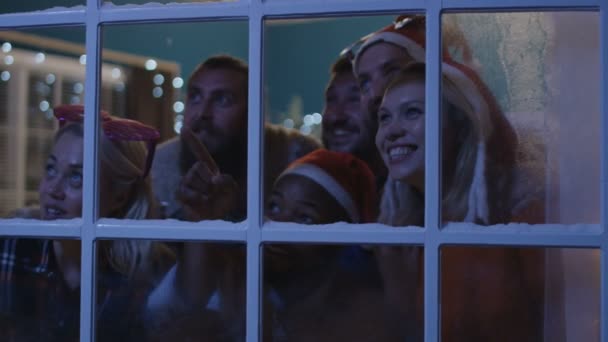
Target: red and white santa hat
<point x="408" y="31"/>
<point x="345" y="177"/>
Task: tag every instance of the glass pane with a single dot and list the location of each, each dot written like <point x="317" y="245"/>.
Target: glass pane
<point x="34" y="154"/>
<point x="515" y="294"/>
<point x="39" y="289"/>
<point x="515" y="122"/>
<point x="174" y="291"/>
<point x="342" y="293"/>
<point x="29" y="6"/>
<point x="165" y="77"/>
<point x="333" y="97"/>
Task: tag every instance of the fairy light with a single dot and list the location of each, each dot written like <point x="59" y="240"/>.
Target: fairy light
<point x="159" y="79"/>
<point x="178" y="82"/>
<point x="150" y="64"/>
<point x="157" y="92"/>
<point x="5" y="76"/>
<point x="7" y="47"/>
<point x="178" y="107"/>
<point x="39" y="58"/>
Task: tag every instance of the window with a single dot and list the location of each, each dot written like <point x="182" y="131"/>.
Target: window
<point x="582" y="232"/>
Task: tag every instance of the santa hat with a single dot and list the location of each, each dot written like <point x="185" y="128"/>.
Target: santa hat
<point x="495" y="134"/>
<point x="408" y="31"/>
<point x="346" y="178"/>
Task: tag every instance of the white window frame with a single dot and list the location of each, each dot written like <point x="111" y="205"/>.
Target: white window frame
<point x="88" y="229"/>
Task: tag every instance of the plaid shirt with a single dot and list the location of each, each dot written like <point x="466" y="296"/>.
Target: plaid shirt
<point x="36" y="304"/>
<point x="24" y="267"/>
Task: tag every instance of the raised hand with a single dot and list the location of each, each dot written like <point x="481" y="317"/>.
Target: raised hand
<point x="205" y="193"/>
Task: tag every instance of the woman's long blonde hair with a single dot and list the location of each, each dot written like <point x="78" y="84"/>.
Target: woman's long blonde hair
<point x="124" y="162"/>
<point x="401" y="205"/>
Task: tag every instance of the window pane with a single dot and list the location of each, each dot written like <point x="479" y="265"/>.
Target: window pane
<point x="520" y="157"/>
<point x="39" y="289"/>
<point x="154" y="75"/>
<point x="350" y="293"/>
<point x="324" y="83"/>
<point x="34" y="154"/>
<point x="510" y="294"/>
<point x="174" y="291"/>
<point x="29" y="6"/>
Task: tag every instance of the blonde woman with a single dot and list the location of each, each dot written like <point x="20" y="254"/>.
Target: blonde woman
<point x="487" y="293"/>
<point x="125" y="268"/>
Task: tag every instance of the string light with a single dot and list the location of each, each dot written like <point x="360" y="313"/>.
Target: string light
<point x="178" y="126"/>
<point x="150" y="64"/>
<point x="317" y="118"/>
<point x="50" y="79"/>
<point x="116" y="73"/>
<point x="288" y="123"/>
<point x="78" y="88"/>
<point x="178" y="107"/>
<point x="7" y="47"/>
<point x="159" y="79"/>
<point x="157" y="92"/>
<point x="5" y="76"/>
<point x="178" y="82"/>
<point x="44" y="106"/>
<point x="39" y="58"/>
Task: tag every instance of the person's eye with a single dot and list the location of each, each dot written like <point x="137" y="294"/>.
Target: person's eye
<point x="224" y="100"/>
<point x="194" y="96"/>
<point x="76" y="179"/>
<point x="273" y="207"/>
<point x="305" y="219"/>
<point x="383" y="117"/>
<point x="413" y="113"/>
<point x="50" y="170"/>
<point x="354" y="99"/>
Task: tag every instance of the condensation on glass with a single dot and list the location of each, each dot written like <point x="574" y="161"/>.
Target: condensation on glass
<point x="39" y="289"/>
<point x="170" y="291"/>
<point x="508" y="293"/>
<point x="148" y="79"/>
<point x="342" y="292"/>
<point x="539" y="160"/>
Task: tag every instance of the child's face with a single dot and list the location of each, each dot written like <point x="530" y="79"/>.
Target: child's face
<point x="298" y="199"/>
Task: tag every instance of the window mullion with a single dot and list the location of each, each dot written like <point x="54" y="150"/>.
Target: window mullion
<point x="92" y="80"/>
<point x="432" y="178"/>
<point x="604" y="169"/>
<point x="254" y="172"/>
